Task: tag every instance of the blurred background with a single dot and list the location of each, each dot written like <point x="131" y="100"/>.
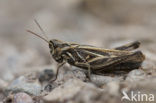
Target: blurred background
<point x="102" y="23"/>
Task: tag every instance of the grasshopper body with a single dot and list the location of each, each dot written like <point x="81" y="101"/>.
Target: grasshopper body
<point x="95" y="60"/>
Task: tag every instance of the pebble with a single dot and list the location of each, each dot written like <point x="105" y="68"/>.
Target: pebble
<point x="46" y="75"/>
<point x="22" y="98"/>
<point x="67" y="90"/>
<point x="24" y="84"/>
<point x="136" y="75"/>
<point x="101" y="80"/>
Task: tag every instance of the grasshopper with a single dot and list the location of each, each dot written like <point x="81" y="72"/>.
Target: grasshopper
<point x="95" y="60"/>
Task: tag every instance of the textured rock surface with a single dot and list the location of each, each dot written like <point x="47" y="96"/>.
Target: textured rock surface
<point x="19" y="98"/>
<point x="26" y="84"/>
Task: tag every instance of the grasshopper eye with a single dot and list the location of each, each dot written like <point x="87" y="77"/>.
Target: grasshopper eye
<point x="51" y="47"/>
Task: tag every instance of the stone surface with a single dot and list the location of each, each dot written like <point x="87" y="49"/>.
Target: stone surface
<point x="136" y="75"/>
<point x="27" y="84"/>
<point x="22" y="98"/>
<point x="66" y="91"/>
<point x="101" y="80"/>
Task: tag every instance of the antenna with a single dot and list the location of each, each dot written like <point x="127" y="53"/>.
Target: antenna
<point x="39" y="26"/>
<point x="38" y="36"/>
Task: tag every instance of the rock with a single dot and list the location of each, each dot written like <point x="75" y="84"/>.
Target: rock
<point x="22" y="98"/>
<point x="79" y="74"/>
<point x="136" y="75"/>
<point x="101" y="80"/>
<point x="46" y="75"/>
<point x="64" y="75"/>
<point x="67" y="90"/>
<point x="87" y="94"/>
<point x="28" y="84"/>
<point x="67" y="73"/>
<point x="113" y="87"/>
<point x="92" y="94"/>
<point x="149" y="68"/>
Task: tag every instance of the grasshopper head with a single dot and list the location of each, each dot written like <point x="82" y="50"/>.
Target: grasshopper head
<point x="55" y="47"/>
<point x="53" y="44"/>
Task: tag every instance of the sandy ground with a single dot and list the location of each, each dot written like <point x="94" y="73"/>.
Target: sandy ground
<point x="102" y="23"/>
